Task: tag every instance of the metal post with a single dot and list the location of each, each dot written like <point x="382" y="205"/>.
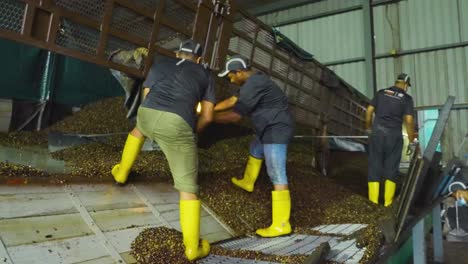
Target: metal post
<point x="437" y="235"/>
<point x="419" y="243"/>
<point x="369" y="46"/>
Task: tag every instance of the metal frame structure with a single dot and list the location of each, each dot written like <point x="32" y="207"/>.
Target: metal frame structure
<point x="419" y="169"/>
<point x="406" y="224"/>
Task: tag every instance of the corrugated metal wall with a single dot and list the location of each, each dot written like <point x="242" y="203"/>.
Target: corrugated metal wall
<point x="305" y="11"/>
<point x="319" y="36"/>
<point x="353" y="74"/>
<point x="409" y="25"/>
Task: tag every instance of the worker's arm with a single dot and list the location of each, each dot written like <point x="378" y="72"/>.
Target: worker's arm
<point x="226" y="104"/>
<point x="206" y="115"/>
<point x="409" y="123"/>
<point x="227" y="117"/>
<point x="369" y="114"/>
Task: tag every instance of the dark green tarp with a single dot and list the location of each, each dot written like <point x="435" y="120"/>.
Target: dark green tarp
<point x="291" y="47"/>
<point x="76" y="82"/>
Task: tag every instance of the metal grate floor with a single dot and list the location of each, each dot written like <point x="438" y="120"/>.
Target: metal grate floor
<point x="342" y="251"/>
<point x="215" y="259"/>
<point x="342" y="229"/>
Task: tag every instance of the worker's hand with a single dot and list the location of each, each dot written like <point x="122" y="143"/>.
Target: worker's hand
<point x="461" y="194"/>
<point x="412" y="148"/>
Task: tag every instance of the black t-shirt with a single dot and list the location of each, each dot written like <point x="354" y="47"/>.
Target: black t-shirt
<point x="264" y="102"/>
<point x="391" y="105"/>
<point x="177" y="86"/>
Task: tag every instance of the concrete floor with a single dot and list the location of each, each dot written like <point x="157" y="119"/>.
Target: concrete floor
<point x="454" y="252"/>
<point x="87" y="223"/>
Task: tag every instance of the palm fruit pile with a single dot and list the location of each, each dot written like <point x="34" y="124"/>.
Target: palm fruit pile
<point x="340" y="198"/>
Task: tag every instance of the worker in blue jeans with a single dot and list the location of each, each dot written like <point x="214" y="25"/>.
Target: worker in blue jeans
<point x="267" y="106"/>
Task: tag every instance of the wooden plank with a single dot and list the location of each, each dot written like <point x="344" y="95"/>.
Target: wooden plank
<point x="105" y="25"/>
<point x="73" y="53"/>
<point x="29" y="13"/>
<point x="153" y="37"/>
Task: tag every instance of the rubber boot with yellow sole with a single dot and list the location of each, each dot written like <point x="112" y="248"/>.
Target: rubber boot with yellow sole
<point x="374" y="188"/>
<point x="190" y="224"/>
<point x="281" y="211"/>
<point x="390" y="187"/>
<point x="250" y="174"/>
<point x="130" y="152"/>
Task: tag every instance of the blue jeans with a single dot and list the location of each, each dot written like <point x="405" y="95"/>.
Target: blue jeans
<point x="275" y="159"/>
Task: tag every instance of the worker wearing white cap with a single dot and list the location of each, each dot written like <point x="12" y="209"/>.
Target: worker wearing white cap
<point x="392" y="106"/>
<point x="267" y="106"/>
<point x="173" y="89"/>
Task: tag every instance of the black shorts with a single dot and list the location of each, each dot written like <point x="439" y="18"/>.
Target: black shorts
<point x="384" y="155"/>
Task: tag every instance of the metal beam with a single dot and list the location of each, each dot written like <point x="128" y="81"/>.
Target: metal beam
<point x="333" y="12"/>
<point x="437" y="235"/>
<point x="369" y="46"/>
<point x="275" y="6"/>
<point x="461" y="106"/>
<point x="400" y="53"/>
<point x="419" y="243"/>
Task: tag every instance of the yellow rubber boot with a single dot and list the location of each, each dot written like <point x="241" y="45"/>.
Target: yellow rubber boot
<point x="130" y="152"/>
<point x="281" y="211"/>
<point x="190" y="224"/>
<point x="250" y="174"/>
<point x="374" y="188"/>
<point x="390" y="187"/>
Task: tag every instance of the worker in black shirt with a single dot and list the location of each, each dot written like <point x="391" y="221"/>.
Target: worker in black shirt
<point x="392" y="107"/>
<point x="267" y="106"/>
<point x="172" y="90"/>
